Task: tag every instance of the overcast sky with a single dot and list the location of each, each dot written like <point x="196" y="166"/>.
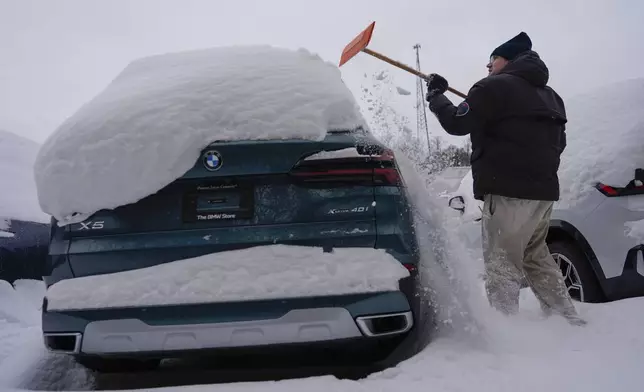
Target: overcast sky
<point x="57" y="54"/>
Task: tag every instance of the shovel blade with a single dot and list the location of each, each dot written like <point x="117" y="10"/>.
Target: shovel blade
<point x="359" y="42"/>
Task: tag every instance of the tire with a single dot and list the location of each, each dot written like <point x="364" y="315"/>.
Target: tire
<point x="590" y="291"/>
<point x="117" y="365"/>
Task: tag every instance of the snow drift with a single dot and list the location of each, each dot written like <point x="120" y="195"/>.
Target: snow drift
<point x="284" y="272"/>
<point x="147" y="127"/>
<point x="18" y="198"/>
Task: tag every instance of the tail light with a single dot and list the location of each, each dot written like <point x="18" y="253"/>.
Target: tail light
<point x="633" y="188"/>
<point x="607" y="190"/>
<point x="378" y="170"/>
<point x="411" y="268"/>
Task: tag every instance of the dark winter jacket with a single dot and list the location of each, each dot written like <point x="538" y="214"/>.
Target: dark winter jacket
<point x="517" y="128"/>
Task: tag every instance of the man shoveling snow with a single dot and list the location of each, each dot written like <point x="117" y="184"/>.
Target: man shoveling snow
<point x="517" y="127"/>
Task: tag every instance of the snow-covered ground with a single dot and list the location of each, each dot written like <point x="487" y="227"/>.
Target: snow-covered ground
<point x="523" y="353"/>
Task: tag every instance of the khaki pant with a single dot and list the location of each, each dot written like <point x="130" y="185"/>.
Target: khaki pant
<point x="514" y="247"/>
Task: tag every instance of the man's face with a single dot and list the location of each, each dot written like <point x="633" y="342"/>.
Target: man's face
<point x="496" y="64"/>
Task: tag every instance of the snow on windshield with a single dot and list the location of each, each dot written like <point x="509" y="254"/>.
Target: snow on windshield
<point x="147" y="128"/>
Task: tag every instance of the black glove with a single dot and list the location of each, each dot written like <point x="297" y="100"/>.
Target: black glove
<point x="436" y="85"/>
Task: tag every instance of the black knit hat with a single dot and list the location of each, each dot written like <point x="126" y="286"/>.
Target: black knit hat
<point x="514" y="47"/>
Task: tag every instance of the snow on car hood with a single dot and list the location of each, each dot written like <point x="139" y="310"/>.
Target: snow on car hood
<point x="147" y="128"/>
<point x="258" y="273"/>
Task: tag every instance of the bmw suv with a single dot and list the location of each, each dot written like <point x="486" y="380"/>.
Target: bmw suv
<point x="344" y="192"/>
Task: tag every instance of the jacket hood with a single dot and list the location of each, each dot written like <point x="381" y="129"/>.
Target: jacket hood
<point x="530" y="67"/>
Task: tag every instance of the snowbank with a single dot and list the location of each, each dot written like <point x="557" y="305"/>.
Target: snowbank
<point x="18" y="198"/>
<point x="267" y="272"/>
<point x="605" y="131"/>
<point x="148" y="126"/>
<point x="30" y="290"/>
<point x="20" y="304"/>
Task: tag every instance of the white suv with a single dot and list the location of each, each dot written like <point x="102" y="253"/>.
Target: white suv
<point x="597" y="228"/>
<point x="599" y="257"/>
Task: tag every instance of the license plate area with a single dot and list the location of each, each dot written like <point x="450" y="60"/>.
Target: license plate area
<point x="223" y="201"/>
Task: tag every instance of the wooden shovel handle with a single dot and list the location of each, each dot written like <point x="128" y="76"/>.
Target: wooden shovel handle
<point x="408" y="69"/>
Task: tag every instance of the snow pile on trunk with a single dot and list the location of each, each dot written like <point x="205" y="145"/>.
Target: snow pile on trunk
<point x="258" y="273"/>
<point x="604" y="133"/>
<point x="147" y="128"/>
<point x="18" y="198"/>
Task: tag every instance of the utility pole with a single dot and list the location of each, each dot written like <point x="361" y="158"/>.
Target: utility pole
<point x="421" y="112"/>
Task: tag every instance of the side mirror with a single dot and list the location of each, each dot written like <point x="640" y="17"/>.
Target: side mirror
<point x="637" y="181"/>
<point x="457" y="203"/>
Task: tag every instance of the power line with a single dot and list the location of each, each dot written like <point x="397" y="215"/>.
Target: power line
<point x="421" y="112"/>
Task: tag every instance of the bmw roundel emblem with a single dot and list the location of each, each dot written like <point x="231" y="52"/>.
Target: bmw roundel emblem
<point x="212" y="160"/>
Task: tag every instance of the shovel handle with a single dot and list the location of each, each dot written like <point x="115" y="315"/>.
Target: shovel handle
<point x="408" y="69"/>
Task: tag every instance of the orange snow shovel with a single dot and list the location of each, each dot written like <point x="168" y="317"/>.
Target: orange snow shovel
<point x="359" y="44"/>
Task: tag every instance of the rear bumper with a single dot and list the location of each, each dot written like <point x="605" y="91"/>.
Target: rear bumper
<point x="169" y="330"/>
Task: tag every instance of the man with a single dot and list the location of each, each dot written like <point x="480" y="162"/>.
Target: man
<point x="517" y="128"/>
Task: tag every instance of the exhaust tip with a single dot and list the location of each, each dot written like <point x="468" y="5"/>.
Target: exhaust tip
<point x="65" y="343"/>
<point x="385" y="324"/>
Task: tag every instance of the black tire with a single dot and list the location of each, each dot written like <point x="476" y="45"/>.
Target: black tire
<point x="592" y="291"/>
<point x="117" y="365"/>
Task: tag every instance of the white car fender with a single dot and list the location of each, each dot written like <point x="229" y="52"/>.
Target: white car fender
<point x="463" y="200"/>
